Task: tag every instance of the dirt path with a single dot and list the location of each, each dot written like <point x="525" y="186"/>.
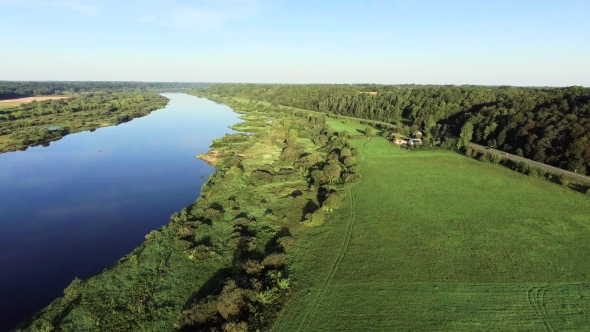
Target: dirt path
<point x="552" y="169"/>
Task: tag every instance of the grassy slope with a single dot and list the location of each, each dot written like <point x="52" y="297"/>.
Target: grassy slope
<point x="443" y="242"/>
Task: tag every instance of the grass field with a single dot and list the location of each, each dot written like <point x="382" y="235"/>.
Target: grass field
<point x="9" y="105"/>
<point x="435" y="241"/>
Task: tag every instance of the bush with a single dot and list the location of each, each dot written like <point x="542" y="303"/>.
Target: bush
<point x="483" y="157"/>
<point x="345" y="152"/>
<point x="253" y="267"/>
<point x="200" y="313"/>
<point x="331" y="201"/>
<point x="563" y="181"/>
<point x="496" y="159"/>
<point x="231" y="301"/>
<point x="286" y="242"/>
<point x="235" y="327"/>
<point x="350" y="161"/>
<point x="275" y="260"/>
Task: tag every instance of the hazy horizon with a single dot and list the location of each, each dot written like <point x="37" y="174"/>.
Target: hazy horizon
<point x="516" y="43"/>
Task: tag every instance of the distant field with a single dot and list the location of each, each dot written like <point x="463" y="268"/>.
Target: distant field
<point x="19" y="101"/>
<point x="435" y="241"/>
<point x="7" y="105"/>
<point x="11" y="103"/>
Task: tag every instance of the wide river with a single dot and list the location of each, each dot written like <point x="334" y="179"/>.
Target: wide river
<point x="74" y="208"/>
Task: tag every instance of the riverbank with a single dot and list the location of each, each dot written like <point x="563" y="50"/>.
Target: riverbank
<point x="89" y="199"/>
<point x="32" y="124"/>
<point x="220" y="262"/>
<point x="210" y="157"/>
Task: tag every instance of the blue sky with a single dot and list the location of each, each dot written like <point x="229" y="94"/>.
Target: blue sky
<point x="517" y="42"/>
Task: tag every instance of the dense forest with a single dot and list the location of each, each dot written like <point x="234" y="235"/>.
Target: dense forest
<point x="38" y="123"/>
<point x="10" y="90"/>
<point x="549" y="125"/>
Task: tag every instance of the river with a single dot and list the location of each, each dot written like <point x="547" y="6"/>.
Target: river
<point x="74" y="208"/>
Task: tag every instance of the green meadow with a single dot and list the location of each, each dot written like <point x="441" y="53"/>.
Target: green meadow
<point x="432" y="240"/>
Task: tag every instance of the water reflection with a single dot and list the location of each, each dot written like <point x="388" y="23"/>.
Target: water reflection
<point x="69" y="210"/>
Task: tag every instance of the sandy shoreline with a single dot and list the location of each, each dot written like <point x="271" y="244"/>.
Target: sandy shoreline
<point x="209" y="157"/>
<point x="31" y="99"/>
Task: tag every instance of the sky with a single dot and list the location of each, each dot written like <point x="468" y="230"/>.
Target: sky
<point x="489" y="42"/>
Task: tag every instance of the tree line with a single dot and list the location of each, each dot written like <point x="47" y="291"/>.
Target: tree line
<point x="549" y="125"/>
<point x="39" y="123"/>
<point x="12" y="90"/>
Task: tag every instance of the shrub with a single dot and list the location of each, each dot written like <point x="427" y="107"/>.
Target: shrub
<point x="212" y="214"/>
<point x="332" y="172"/>
<point x="200" y="313"/>
<point x="286" y="242"/>
<point x="345" y="152"/>
<point x="235" y="327"/>
<point x="368" y="131"/>
<point x="200" y="252"/>
<point x="483" y="157"/>
<point x="332" y="200"/>
<point x="185" y="231"/>
<point x="496" y="159"/>
<point x="231" y="301"/>
<point x="318" y="177"/>
<point x="563" y="181"/>
<point x="350" y="161"/>
<point x="275" y="260"/>
<point x="253" y="267"/>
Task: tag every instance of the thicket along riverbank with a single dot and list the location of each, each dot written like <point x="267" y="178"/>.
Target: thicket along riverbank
<point x="221" y="262"/>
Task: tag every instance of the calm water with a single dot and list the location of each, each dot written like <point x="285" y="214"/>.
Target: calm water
<point x="68" y="210"/>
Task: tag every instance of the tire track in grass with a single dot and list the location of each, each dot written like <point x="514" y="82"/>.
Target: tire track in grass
<point x="539" y="308"/>
<point x="343" y="248"/>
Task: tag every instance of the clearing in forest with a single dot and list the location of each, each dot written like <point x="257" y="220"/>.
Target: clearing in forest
<point x="432" y="240"/>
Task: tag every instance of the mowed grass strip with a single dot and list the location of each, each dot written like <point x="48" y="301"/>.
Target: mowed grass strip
<point x="444" y="242"/>
<point x="354" y="128"/>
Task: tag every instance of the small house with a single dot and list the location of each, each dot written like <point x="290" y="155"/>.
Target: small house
<point x="417" y="133"/>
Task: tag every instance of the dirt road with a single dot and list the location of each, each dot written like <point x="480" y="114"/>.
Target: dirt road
<point x="554" y="170"/>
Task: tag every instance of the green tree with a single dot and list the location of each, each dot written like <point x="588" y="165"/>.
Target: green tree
<point x="345" y="152"/>
<point x="332" y="172"/>
<point x="368" y="131"/>
<point x="466" y="135"/>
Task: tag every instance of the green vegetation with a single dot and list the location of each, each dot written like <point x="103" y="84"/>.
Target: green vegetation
<point x="12" y="90"/>
<point x="220" y="263"/>
<point x="314" y="223"/>
<point x="39" y="123"/>
<point x="431" y="240"/>
<point x="551" y="126"/>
